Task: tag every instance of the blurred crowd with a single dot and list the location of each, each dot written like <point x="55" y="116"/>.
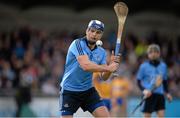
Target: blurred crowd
<point x="35" y="57"/>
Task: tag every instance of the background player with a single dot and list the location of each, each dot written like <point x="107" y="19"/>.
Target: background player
<point x="103" y="87"/>
<point x="113" y="92"/>
<point x="146" y="76"/>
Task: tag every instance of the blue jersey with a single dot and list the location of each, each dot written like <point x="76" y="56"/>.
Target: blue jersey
<point x="75" y="78"/>
<point x="148" y="73"/>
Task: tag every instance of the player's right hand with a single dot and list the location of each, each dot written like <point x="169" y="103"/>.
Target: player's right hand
<point x="115" y="58"/>
<point x="113" y="66"/>
<point x="147" y="93"/>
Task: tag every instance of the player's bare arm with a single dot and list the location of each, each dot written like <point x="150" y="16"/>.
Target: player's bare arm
<point x="88" y="65"/>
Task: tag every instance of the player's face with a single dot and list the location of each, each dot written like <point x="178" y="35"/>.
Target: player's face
<point x="93" y="35"/>
<point x="153" y="55"/>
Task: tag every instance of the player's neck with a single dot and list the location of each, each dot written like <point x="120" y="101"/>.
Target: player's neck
<point x="155" y="62"/>
<point x="91" y="46"/>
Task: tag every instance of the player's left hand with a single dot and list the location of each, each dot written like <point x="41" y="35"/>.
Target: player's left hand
<point x="169" y="97"/>
<point x="115" y="58"/>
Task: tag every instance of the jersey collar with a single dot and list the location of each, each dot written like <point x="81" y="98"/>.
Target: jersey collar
<point x="87" y="44"/>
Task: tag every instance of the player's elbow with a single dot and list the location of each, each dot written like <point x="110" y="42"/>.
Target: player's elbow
<point x="104" y="78"/>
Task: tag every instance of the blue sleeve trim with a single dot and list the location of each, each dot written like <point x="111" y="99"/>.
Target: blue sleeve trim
<point x="79" y="48"/>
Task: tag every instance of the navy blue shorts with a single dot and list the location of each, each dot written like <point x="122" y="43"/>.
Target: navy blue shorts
<point x="70" y="101"/>
<point x="155" y="102"/>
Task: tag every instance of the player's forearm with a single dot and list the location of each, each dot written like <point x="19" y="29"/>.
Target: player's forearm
<point x="165" y="86"/>
<point x="92" y="67"/>
<point x="88" y="65"/>
<point x="140" y="86"/>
